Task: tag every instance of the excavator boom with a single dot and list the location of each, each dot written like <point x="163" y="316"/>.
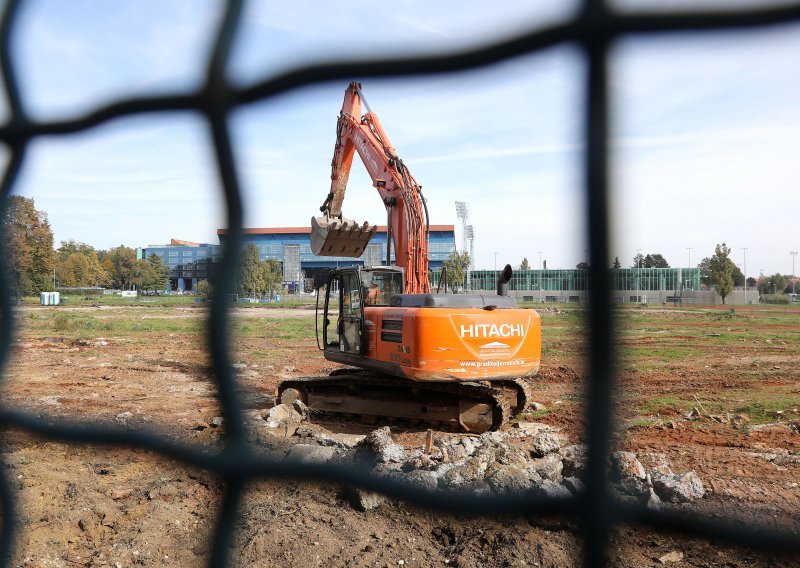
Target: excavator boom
<point x="407" y="220"/>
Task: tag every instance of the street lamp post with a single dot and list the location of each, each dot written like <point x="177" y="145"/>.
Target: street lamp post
<point x="794" y="280"/>
<point x="639" y="275"/>
<point x="744" y="251"/>
<point x="540" y="276"/>
<point x="471" y="266"/>
<point x="495" y="262"/>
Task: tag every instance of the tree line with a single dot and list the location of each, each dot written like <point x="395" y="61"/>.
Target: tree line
<point x="79" y="265"/>
<point x="37" y="266"/>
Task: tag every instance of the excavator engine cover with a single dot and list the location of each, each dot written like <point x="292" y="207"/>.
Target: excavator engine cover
<point x="340" y="237"/>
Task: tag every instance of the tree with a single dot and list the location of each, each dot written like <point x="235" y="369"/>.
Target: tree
<point x="273" y="275"/>
<point x="120" y="263"/>
<point x="456" y="267"/>
<point x="525" y="264"/>
<point x="774" y="284"/>
<point x="617" y="264"/>
<point x="251" y="272"/>
<point x="71" y="246"/>
<point x="582" y="265"/>
<point x="72" y="271"/>
<point x="77" y="265"/>
<point x="738" y="276"/>
<point x="705" y="271"/>
<point x="721" y="269"/>
<point x="29" y="247"/>
<point x="706" y="276"/>
<point x="204" y="288"/>
<point x="152" y="273"/>
<point x="650" y="260"/>
<point x="655" y="260"/>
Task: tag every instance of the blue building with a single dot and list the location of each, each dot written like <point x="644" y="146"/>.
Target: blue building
<point x="188" y="262"/>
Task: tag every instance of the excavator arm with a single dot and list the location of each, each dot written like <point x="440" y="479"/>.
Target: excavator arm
<point x="407" y="218"/>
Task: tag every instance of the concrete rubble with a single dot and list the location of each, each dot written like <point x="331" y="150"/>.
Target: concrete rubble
<point x="529" y="459"/>
<point x="283" y="420"/>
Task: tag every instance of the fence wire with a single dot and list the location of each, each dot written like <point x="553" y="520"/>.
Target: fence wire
<point x="594" y="28"/>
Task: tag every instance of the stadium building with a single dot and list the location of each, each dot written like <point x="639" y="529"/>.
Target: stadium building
<point x="189" y="263"/>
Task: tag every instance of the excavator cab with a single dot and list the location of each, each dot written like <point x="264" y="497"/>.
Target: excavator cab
<point x="347" y="292"/>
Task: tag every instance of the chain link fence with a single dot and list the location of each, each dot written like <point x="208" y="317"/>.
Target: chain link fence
<point x="594" y="29"/>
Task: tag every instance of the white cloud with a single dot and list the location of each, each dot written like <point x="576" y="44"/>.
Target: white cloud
<point x="71" y="57"/>
<point x="277" y="36"/>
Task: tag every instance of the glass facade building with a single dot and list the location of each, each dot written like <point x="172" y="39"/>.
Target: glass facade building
<point x="622" y="279"/>
<point x="628" y="284"/>
<point x="189" y="262"/>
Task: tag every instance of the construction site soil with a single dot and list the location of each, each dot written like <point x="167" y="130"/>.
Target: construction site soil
<point x="716" y="393"/>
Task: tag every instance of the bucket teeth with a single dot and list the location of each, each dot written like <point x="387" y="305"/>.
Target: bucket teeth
<point x="340" y="237"/>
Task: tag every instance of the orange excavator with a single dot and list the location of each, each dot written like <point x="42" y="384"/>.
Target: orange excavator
<point x="462" y="361"/>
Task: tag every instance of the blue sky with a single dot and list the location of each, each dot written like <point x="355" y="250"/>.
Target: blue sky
<point x="705" y="129"/>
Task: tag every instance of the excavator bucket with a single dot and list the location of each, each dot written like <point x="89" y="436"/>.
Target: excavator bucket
<point x="340" y="237"/>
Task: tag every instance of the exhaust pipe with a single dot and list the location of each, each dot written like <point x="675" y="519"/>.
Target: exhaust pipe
<point x="503" y="280"/>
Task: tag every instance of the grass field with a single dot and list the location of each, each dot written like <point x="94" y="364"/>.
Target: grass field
<point x="716" y="392"/>
<point x="756" y="346"/>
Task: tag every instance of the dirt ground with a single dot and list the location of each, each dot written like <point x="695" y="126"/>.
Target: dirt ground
<point x="687" y="391"/>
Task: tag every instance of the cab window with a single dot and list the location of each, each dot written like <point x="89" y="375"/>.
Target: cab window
<point x="380" y="286"/>
<point x="350" y="295"/>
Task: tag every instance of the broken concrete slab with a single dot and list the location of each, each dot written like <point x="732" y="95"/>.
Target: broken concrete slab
<point x="379" y="443"/>
<point x="468" y="475"/>
<point x="340" y="440"/>
<point x="511" y="480"/>
<point x="626" y="465"/>
<point x="307" y="453"/>
<point x="549" y="467"/>
<point x="283" y="420"/>
<point x="544" y="443"/>
<point x="678" y="487"/>
<point x="573" y="459"/>
<point x="633" y="486"/>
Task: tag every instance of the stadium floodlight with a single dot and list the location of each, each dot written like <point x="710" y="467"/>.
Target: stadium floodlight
<point x="462" y="212"/>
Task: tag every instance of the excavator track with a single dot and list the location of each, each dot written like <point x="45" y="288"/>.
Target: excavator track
<point x="461" y="406"/>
